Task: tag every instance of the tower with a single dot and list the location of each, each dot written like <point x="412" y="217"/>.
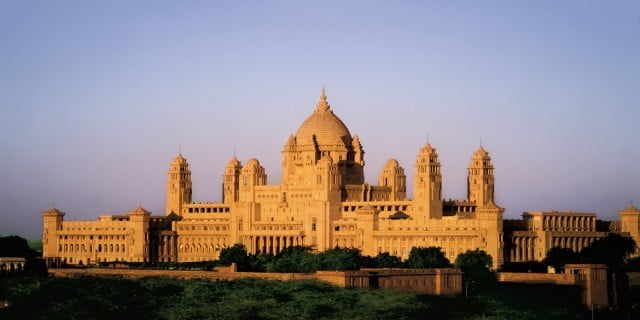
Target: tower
<point x="178" y="185"/>
<point x="393" y="176"/>
<point x="251" y="175"/>
<point x="427" y="184"/>
<point x="480" y="181"/>
<point x="630" y="222"/>
<point x="52" y="223"/>
<point x="231" y="181"/>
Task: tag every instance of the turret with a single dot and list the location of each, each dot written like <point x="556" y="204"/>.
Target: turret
<point x="630" y="222"/>
<point x="289" y="159"/>
<point x="251" y="175"/>
<point x="355" y="172"/>
<point x="139" y="250"/>
<point x="393" y="176"/>
<point x="327" y="180"/>
<point x="480" y="181"/>
<point x="178" y="185"/>
<point x="490" y="219"/>
<point x="52" y="223"/>
<point x="427" y="184"/>
<point x="231" y="181"/>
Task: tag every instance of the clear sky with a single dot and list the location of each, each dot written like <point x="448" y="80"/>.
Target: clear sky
<point x="96" y="96"/>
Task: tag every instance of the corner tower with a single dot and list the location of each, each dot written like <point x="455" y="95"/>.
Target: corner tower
<point x="427" y="184"/>
<point x="480" y="181"/>
<point x="231" y="181"/>
<point x="178" y="185"/>
<point x="393" y="176"/>
<point x="630" y="222"/>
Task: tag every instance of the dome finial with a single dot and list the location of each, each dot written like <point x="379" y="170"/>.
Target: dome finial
<point x="323" y="105"/>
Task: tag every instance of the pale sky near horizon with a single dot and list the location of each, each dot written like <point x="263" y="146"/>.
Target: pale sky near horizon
<point x="96" y="96"/>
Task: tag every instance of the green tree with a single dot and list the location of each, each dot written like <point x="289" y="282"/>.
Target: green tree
<point x="557" y="257"/>
<point x="294" y="259"/>
<point x="475" y="264"/>
<point x="386" y="260"/>
<point x="238" y="254"/>
<point x="613" y="250"/>
<point x="430" y="257"/>
<point x="15" y="246"/>
<point x="340" y="259"/>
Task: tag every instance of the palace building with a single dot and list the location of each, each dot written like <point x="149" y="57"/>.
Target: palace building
<point x="324" y="202"/>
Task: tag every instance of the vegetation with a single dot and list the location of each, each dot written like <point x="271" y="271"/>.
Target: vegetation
<point x="35" y="245"/>
<point x="165" y="298"/>
<point x="613" y="250"/>
<point x="557" y="257"/>
<point x="15" y="246"/>
<point x="475" y="264"/>
<point x="430" y="257"/>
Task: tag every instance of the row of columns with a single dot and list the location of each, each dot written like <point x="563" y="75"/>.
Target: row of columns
<point x="450" y="245"/>
<point x="271" y="244"/>
<point x="167" y="246"/>
<point x="574" y="243"/>
<point x="523" y="249"/>
<point x="569" y="222"/>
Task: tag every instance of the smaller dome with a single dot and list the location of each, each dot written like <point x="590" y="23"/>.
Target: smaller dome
<point x="393" y="163"/>
<point x="253" y="162"/>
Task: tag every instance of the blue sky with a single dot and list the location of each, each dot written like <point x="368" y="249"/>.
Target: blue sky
<point x="96" y="96"/>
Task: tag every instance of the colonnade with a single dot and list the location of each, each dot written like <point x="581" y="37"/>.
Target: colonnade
<point x="167" y="248"/>
<point x="569" y="222"/>
<point x="12" y="264"/>
<point x="271" y="244"/>
<point x="574" y="243"/>
<point x="523" y="249"/>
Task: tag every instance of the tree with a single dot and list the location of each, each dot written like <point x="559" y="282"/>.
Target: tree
<point x="557" y="257"/>
<point x="386" y="260"/>
<point x="294" y="259"/>
<point x="238" y="254"/>
<point x="612" y="250"/>
<point x="340" y="259"/>
<point x="430" y="257"/>
<point x="475" y="264"/>
<point x="15" y="246"/>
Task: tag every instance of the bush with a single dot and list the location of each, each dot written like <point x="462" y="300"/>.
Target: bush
<point x="557" y="257"/>
<point x="238" y="254"/>
<point x="475" y="265"/>
<point x="386" y="260"/>
<point x="430" y="257"/>
<point x="613" y="250"/>
<point x="294" y="259"/>
<point x="340" y="259"/>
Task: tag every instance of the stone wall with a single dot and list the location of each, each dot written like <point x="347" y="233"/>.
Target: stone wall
<point x="530" y="277"/>
<point x="428" y="281"/>
<point x="179" y="274"/>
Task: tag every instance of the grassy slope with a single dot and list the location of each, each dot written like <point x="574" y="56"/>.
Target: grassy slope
<point x="164" y="298"/>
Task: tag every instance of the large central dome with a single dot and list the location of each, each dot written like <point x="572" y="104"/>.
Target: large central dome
<point x="327" y="128"/>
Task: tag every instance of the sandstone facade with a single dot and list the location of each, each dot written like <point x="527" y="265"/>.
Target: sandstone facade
<point x="323" y="202"/>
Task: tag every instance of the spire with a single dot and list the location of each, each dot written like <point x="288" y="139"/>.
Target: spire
<point x="323" y="105"/>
